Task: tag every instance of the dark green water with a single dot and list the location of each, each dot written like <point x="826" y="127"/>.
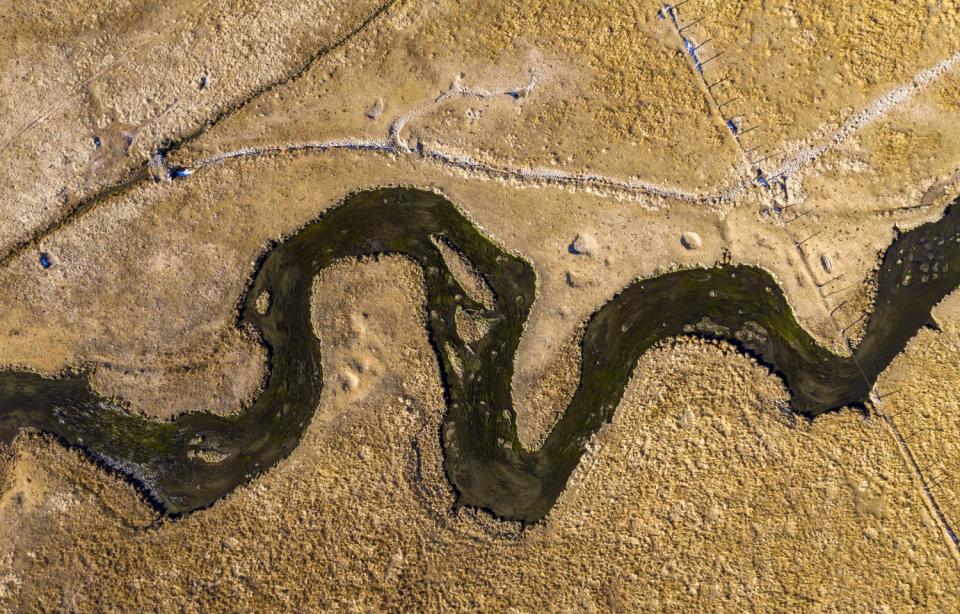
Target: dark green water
<point x="484" y="459"/>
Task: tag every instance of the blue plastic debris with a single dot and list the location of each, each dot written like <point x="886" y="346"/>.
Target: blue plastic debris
<point x="762" y="181"/>
<point x="692" y="50"/>
<point x="178" y="172"/>
<point x="45" y="260"/>
<point x="96" y="142"/>
<point x="732" y="125"/>
<point x="660" y="15"/>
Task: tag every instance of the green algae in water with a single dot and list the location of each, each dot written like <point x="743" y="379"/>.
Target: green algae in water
<point x="191" y="462"/>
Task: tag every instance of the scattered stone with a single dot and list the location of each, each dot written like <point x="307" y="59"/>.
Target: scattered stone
<point x="691" y="240"/>
<point x="203" y="83"/>
<point x="583" y="245"/>
<point x="826" y="263"/>
<point x="351" y="380"/>
<point x="263" y="303"/>
<point x="207" y="456"/>
<point x="572" y="280"/>
<point x="375" y="109"/>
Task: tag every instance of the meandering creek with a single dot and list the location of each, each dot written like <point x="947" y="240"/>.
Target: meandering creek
<point x="191" y="462"/>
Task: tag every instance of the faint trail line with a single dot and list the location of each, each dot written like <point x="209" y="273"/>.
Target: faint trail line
<point x="455" y="90"/>
<point x="396" y="144"/>
<point x="929" y="499"/>
<point x="874" y="111"/>
<point x="521" y="174"/>
<point x="465" y="162"/>
<point x="141" y="172"/>
<point x="452" y="159"/>
<point x="74" y="91"/>
<point x="877" y="109"/>
<point x="268" y="150"/>
<point x="567" y="179"/>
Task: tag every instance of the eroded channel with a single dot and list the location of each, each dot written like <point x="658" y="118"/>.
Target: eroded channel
<point x="191" y="462"/>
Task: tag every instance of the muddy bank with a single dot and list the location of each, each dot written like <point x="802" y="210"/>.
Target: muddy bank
<point x="191" y="462"/>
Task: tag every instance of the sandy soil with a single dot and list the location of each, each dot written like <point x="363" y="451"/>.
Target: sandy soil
<point x="701" y="492"/>
<point x="696" y="495"/>
<point x="134" y="77"/>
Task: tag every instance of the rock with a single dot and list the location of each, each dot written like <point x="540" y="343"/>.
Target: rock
<point x="263" y="303"/>
<point x="583" y="245"/>
<point x="375" y="109"/>
<point x="351" y="381"/>
<point x="826" y="263"/>
<point x="691" y="240"/>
